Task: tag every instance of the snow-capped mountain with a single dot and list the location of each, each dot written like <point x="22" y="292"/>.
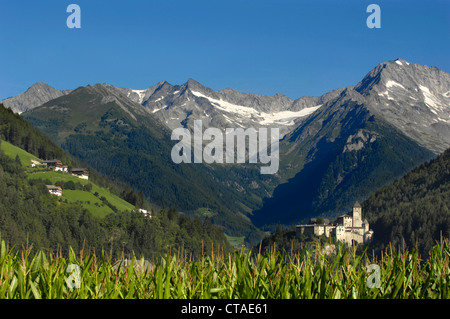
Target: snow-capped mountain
<point x="180" y="105"/>
<point x="412" y="97"/>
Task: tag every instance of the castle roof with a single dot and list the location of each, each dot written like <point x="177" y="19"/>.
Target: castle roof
<point x="357" y="205"/>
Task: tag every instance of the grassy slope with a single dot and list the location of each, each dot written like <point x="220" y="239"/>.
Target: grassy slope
<point x="12" y="151"/>
<point x="88" y="199"/>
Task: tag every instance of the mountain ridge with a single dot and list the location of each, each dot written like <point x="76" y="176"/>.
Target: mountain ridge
<point x="34" y="96"/>
<point x="359" y="137"/>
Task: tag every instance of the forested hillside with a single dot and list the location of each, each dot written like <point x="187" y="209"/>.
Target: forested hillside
<point x="415" y="208"/>
<point x="19" y="132"/>
<point x="29" y="214"/>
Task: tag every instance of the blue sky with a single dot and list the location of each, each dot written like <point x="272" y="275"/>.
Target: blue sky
<point x="291" y="47"/>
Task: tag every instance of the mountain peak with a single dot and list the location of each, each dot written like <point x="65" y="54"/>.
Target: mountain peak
<point x="414" y="98"/>
<point x="39" y="84"/>
<point x="400" y="61"/>
<point x="37" y="94"/>
<point x="191" y="81"/>
<point x="393" y="70"/>
<point x="193" y="84"/>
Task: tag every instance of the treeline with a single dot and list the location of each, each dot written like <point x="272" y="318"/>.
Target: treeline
<point x="29" y="214"/>
<point x="17" y="131"/>
<point x="414" y="209"/>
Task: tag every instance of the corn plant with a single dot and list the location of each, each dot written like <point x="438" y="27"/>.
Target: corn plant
<point x="309" y="274"/>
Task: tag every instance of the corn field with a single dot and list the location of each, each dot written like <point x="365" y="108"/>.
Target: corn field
<point x="240" y="274"/>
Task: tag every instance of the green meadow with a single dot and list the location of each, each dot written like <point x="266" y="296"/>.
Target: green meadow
<point x="90" y="201"/>
<point x="12" y="151"/>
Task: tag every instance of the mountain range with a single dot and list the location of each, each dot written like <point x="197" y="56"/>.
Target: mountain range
<point x="334" y="149"/>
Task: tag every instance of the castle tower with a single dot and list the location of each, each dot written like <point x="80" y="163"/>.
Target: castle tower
<point x="357" y="215"/>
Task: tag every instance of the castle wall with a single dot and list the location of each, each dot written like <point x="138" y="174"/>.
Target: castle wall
<point x="357" y="217"/>
<point x="349" y="229"/>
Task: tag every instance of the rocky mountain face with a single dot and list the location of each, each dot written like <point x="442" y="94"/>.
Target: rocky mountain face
<point x="343" y="152"/>
<point x="396" y="118"/>
<point x="36" y="95"/>
<point x="179" y="105"/>
<point x="412" y="97"/>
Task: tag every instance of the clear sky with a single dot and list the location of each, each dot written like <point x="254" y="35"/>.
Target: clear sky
<point x="292" y="47"/>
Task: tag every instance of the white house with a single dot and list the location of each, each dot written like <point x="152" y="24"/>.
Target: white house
<point x="82" y="173"/>
<point x="56" y="165"/>
<point x="54" y="190"/>
<point x="145" y="212"/>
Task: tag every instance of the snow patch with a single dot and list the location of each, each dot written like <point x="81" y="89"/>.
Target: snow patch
<point x="283" y="117"/>
<point x="286" y="117"/>
<point x="141" y="94"/>
<point x="391" y="83"/>
<point x="385" y="94"/>
<point x="430" y="100"/>
<point x="398" y="62"/>
<point x="227" y="106"/>
<point x="161" y="108"/>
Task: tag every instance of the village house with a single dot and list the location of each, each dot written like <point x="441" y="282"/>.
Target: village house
<point x="61" y="168"/>
<point x="34" y="163"/>
<point x="51" y="163"/>
<point x="55" y="165"/>
<point x="145" y="212"/>
<point x="54" y="190"/>
<point x="82" y="173"/>
<point x="349" y="228"/>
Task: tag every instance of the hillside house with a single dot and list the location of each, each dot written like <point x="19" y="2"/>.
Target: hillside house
<point x="54" y="190"/>
<point x="34" y="163"/>
<point x="349" y="228"/>
<point x="51" y="163"/>
<point x="82" y="173"/>
<point x="61" y="168"/>
<point x="145" y="212"/>
<point x="55" y="165"/>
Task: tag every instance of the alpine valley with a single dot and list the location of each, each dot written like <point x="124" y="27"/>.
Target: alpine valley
<point x="334" y="149"/>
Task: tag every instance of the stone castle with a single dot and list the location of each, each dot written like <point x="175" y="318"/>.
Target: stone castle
<point x="349" y="228"/>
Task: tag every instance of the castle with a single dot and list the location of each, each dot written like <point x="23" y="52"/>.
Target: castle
<point x="349" y="228"/>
